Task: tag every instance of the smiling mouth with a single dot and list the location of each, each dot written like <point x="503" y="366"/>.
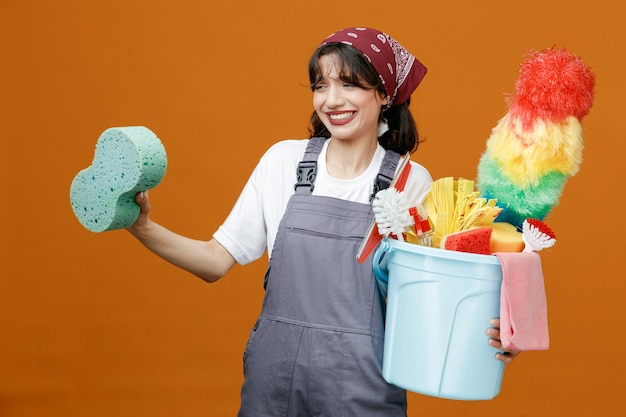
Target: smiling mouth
<point x="340" y="118"/>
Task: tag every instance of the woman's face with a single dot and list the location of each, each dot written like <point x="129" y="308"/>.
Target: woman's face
<point x="348" y="111"/>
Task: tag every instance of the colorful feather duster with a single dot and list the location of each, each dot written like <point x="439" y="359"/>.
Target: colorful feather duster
<point x="537" y="145"/>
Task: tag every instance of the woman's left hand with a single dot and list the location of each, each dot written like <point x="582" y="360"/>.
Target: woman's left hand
<point x="505" y="355"/>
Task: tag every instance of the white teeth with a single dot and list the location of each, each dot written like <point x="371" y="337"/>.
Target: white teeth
<point x="341" y="116"/>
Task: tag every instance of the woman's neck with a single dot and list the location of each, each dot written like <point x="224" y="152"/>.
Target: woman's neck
<point x="346" y="159"/>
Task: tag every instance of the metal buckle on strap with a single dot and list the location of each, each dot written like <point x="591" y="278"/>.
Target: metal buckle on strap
<point x="306" y="174"/>
<point x="382" y="182"/>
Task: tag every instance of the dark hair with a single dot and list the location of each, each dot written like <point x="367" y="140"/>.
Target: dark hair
<point x="402" y="135"/>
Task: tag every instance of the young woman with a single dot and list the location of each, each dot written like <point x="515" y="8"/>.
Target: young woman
<point x="316" y="348"/>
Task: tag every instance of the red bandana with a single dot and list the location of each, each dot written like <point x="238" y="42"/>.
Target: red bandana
<point x="399" y="71"/>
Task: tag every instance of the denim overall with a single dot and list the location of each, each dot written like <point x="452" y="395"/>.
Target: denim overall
<point x="317" y="347"/>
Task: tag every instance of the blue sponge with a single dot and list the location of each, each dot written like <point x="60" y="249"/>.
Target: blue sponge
<point x="127" y="160"/>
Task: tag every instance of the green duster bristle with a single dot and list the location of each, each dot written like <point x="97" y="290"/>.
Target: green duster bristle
<point x="518" y="203"/>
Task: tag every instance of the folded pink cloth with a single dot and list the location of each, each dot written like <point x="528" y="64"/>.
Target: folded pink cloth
<point x="523" y="306"/>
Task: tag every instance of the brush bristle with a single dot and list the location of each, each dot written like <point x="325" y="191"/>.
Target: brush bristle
<point x="541" y="227"/>
<point x="391" y="211"/>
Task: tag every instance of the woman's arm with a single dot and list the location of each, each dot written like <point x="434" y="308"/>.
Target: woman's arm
<point x="206" y="259"/>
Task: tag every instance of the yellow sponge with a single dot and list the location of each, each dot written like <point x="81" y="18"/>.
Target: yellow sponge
<point x="505" y="238"/>
<point x="127" y="160"/>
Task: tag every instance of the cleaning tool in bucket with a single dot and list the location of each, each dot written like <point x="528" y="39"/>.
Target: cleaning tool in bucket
<point x="537" y="235"/>
<point x="439" y="305"/>
<point x="373" y="237"/>
<point x="534" y="149"/>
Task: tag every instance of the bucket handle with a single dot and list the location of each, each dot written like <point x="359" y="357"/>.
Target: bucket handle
<point x="379" y="265"/>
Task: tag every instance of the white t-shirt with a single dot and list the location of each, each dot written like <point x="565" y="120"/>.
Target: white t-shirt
<point x="251" y="226"/>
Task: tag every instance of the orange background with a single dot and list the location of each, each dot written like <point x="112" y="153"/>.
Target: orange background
<point x="93" y="325"/>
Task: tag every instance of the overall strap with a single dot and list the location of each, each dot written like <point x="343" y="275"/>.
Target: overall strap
<point x="386" y="173"/>
<point x="307" y="168"/>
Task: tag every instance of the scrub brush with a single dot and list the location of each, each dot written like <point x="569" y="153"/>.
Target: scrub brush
<point x="537" y="235"/>
<point x="391" y="212"/>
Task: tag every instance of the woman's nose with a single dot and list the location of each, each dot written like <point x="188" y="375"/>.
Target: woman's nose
<point x="335" y="96"/>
